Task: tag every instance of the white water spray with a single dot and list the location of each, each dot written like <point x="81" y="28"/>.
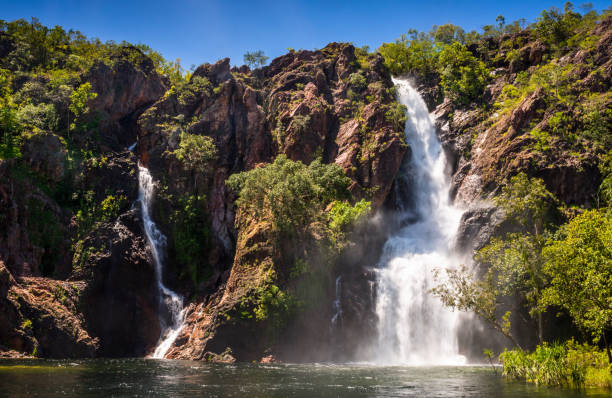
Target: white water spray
<point x="171" y="304"/>
<point x="414" y="327"/>
<point x="337" y="317"/>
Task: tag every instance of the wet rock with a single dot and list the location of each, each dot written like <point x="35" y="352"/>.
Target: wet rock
<point x="120" y="298"/>
<point x="46" y="154"/>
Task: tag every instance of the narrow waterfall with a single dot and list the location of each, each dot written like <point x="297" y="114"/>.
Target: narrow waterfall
<point x="337" y="305"/>
<point x="414" y="328"/>
<point x="170" y="303"/>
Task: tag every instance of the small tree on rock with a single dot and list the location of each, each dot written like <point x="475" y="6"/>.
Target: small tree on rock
<point x="255" y="59"/>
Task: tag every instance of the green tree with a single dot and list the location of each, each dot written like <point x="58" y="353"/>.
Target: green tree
<point x="79" y="100"/>
<point x="463" y="77"/>
<point x="289" y="194"/>
<point x="190" y="237"/>
<point x="555" y="27"/>
<point x="579" y="264"/>
<point x="412" y="53"/>
<point x="448" y="34"/>
<point x="255" y="59"/>
<point x="462" y="290"/>
<point x="196" y="152"/>
<point x="515" y="261"/>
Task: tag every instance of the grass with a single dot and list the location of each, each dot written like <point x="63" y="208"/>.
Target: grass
<point x="559" y="364"/>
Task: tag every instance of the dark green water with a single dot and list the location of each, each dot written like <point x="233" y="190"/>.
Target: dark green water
<point x="153" y="378"/>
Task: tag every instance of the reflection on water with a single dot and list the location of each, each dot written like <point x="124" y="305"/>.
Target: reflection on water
<point x="156" y="378"/>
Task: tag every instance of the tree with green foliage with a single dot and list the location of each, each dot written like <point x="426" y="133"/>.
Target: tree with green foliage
<point x="579" y="265"/>
<point x="190" y="237"/>
<point x="289" y="194"/>
<point x="79" y="100"/>
<point x="555" y="27"/>
<point x="412" y="53"/>
<point x="448" y="34"/>
<point x="196" y="152"/>
<point x="255" y="59"/>
<point x="462" y="290"/>
<point x="463" y="77"/>
<point x="515" y="261"/>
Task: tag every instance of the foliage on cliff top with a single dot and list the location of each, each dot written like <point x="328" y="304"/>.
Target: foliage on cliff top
<point x="462" y="60"/>
<point x="289" y="194"/>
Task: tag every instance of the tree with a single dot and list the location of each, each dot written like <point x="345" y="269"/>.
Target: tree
<point x="579" y="264"/>
<point x="460" y="289"/>
<point x="289" y="194"/>
<point x="78" y="103"/>
<point x="555" y="27"/>
<point x="416" y="54"/>
<point x="463" y="77"/>
<point x="448" y="34"/>
<point x="196" y="152"/>
<point x="515" y="261"/>
<point x="255" y="59"/>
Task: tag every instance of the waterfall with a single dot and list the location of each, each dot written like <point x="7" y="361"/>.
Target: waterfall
<point x="414" y="327"/>
<point x="337" y="317"/>
<point x="170" y="303"/>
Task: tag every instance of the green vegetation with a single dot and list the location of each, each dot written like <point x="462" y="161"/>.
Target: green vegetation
<point x="196" y="152"/>
<point x="568" y="270"/>
<point x="191" y="238"/>
<point x="579" y="263"/>
<point x="90" y="212"/>
<point x="462" y="60"/>
<point x="255" y="59"/>
<point x="515" y="261"/>
<point x="309" y="216"/>
<point x="288" y="194"/>
<point x="344" y="217"/>
<point x="463" y="77"/>
<point x="567" y="364"/>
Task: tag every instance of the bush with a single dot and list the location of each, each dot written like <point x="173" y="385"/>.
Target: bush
<point x="415" y="55"/>
<point x="196" y="151"/>
<point x="396" y="114"/>
<point x="358" y="81"/>
<point x="190" y="237"/>
<point x="463" y="77"/>
<point x="289" y="194"/>
<point x="342" y="216"/>
<point x="567" y="364"/>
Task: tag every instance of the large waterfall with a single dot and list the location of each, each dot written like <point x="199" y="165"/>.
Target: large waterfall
<point x="170" y="303"/>
<point x="414" y="328"/>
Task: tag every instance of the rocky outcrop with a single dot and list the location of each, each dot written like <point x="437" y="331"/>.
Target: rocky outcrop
<point x="126" y="86"/>
<point x="305" y="104"/>
<point x="41" y="317"/>
<point x="34" y="237"/>
<point x="119" y="296"/>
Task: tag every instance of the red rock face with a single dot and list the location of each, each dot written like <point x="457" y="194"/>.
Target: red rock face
<point x="306" y="104"/>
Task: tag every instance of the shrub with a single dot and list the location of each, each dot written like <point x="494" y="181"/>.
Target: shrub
<point x="196" y="151"/>
<point x="463" y="77"/>
<point x="190" y="237"/>
<point x="289" y="194"/>
<point x="567" y="364"/>
<point x="358" y="81"/>
<point x="396" y="114"/>
<point x="343" y="215"/>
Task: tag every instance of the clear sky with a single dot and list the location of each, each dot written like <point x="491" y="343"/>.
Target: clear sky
<point x="206" y="30"/>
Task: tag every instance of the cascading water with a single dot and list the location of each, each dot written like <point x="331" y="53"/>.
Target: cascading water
<point x="337" y="317"/>
<point x="170" y="303"/>
<point x="414" y="328"/>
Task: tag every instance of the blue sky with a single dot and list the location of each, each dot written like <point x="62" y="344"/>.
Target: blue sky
<point x="204" y="31"/>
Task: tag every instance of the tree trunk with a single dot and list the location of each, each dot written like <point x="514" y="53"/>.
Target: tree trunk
<point x="540" y="332"/>
<point x="607" y="347"/>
